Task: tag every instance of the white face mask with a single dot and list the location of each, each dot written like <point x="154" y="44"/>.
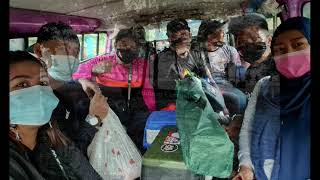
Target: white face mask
<point x="61" y="67"/>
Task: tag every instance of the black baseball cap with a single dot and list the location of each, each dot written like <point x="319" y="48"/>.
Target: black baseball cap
<point x="177" y="25"/>
<point x="214" y="25"/>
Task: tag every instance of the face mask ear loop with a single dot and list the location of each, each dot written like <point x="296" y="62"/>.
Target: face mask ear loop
<point x="71" y="69"/>
<point x="15" y="131"/>
<point x="47" y="61"/>
<point x="69" y="63"/>
<point x="51" y="61"/>
<point x="50" y="124"/>
<point x="119" y="55"/>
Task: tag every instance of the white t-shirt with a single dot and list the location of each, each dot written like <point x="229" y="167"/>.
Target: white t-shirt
<point x="219" y="59"/>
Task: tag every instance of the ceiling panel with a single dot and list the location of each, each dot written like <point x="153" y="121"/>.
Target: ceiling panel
<point x="128" y="12"/>
<point x="59" y="6"/>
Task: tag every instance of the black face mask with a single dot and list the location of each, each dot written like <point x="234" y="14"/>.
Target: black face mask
<point x="127" y="55"/>
<point x="251" y="52"/>
<point x="218" y="44"/>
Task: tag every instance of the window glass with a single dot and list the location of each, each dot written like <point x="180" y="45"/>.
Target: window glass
<point x="157" y="33"/>
<point x="306" y="10"/>
<point x="160" y="45"/>
<point x="16" y="44"/>
<point x="160" y="32"/>
<point x="80" y="52"/>
<point x="90" y="46"/>
<point x="102" y="43"/>
<point x="194" y="26"/>
<point x="32" y="40"/>
<point x="111" y="46"/>
<point x="273" y="23"/>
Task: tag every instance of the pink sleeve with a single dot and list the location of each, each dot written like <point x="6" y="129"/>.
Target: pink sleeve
<point x="85" y="69"/>
<point x="148" y="92"/>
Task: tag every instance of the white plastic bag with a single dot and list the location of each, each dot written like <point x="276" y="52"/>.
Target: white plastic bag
<point x="112" y="153"/>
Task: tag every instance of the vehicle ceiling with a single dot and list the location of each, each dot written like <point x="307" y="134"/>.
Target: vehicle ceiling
<point x="119" y="13"/>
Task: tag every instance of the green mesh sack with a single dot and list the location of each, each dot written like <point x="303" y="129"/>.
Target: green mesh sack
<point x="206" y="147"/>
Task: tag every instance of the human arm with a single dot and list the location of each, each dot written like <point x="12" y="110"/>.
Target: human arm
<point x="97" y="65"/>
<point x="245" y="163"/>
<point x="148" y="91"/>
<point x="98" y="106"/>
<point x="234" y="63"/>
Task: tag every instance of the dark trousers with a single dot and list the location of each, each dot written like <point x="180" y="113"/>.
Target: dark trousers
<point x="235" y="100"/>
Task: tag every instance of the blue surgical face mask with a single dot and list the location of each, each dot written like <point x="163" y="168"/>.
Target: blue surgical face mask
<point x="62" y="67"/>
<point x="32" y="106"/>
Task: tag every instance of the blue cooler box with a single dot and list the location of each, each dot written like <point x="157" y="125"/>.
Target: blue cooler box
<point x="155" y="122"/>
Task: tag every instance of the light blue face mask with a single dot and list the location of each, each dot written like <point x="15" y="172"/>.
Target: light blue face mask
<point x="62" y="67"/>
<point x="32" y="106"/>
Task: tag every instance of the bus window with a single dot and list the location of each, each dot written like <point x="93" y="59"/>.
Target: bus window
<point x="156" y="33"/>
<point x="32" y="40"/>
<point x="102" y="43"/>
<point x="90" y="46"/>
<point x="16" y="44"/>
<point x="160" y="32"/>
<point x="306" y="10"/>
<point x="194" y="26"/>
<point x="161" y="45"/>
<point x="81" y="47"/>
<point x="110" y="46"/>
<point x="273" y="23"/>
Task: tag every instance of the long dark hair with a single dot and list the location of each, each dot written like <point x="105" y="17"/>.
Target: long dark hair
<point x="56" y="138"/>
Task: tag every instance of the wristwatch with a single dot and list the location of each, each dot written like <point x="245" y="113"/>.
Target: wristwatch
<point x="92" y="120"/>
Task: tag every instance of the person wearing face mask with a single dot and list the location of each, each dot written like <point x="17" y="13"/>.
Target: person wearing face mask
<point x="174" y="61"/>
<point x="37" y="148"/>
<point x="275" y="135"/>
<point x="252" y="40"/>
<point x="59" y="52"/>
<point x="58" y="46"/>
<point x="221" y="57"/>
<point x="124" y="77"/>
<point x="114" y="70"/>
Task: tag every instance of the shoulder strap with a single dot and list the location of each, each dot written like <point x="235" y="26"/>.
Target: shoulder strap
<point x="129" y="85"/>
<point x="53" y="152"/>
<point x="204" y="56"/>
<point x="155" y="71"/>
<point x="178" y="69"/>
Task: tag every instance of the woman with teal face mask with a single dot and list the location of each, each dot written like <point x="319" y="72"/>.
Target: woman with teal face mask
<point x="38" y="150"/>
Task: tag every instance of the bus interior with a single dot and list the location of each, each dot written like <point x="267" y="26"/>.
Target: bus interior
<point x="97" y="23"/>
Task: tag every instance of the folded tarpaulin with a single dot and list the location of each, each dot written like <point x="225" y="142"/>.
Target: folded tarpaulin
<point x="206" y="147"/>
